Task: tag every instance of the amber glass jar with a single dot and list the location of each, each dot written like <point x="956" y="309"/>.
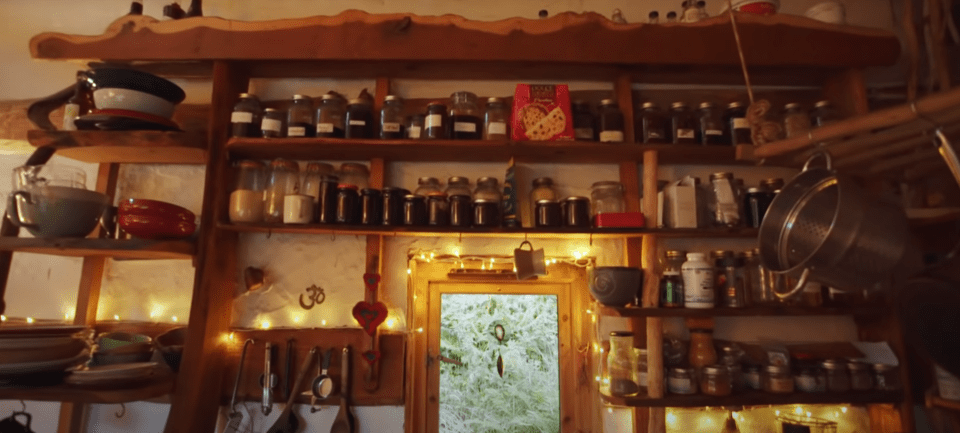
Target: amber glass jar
<point x="702" y="353"/>
<point x="715" y="380"/>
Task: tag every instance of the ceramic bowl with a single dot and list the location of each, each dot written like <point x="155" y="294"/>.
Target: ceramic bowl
<point x="57" y="211"/>
<point x="170" y="345"/>
<point x="116" y="98"/>
<point x="117" y="78"/>
<point x="615" y="286"/>
<point x="156" y="208"/>
<point x="156" y="227"/>
<point x="116" y="340"/>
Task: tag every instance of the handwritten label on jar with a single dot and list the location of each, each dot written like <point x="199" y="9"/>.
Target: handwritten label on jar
<point x="611" y="136"/>
<point x="391" y="127"/>
<point x="433" y="121"/>
<point x="413" y="132"/>
<point x="497" y="128"/>
<point x="271" y="125"/>
<point x="464" y="127"/>
<point x="358" y="122"/>
<point x="296" y="131"/>
<point x="678" y="385"/>
<point x="685" y="133"/>
<point x="325" y="127"/>
<point x="741" y="123"/>
<point x="241" y="117"/>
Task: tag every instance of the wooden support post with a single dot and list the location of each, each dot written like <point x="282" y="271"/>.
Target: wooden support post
<point x="623" y="91"/>
<point x="656" y="417"/>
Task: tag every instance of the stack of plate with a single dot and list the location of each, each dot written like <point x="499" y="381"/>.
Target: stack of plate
<point x="113" y="375"/>
<point x="35" y="354"/>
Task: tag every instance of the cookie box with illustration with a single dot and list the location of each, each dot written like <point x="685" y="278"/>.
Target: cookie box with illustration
<point x="541" y="112"/>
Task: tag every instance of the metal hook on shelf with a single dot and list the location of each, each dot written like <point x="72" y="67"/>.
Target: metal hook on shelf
<point x="123" y="411"/>
<point x="23" y="406"/>
<point x="269" y="233"/>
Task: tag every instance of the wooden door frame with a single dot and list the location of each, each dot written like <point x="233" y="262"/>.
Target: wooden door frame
<point x="578" y="392"/>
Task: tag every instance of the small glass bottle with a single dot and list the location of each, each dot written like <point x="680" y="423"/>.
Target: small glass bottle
<point x="778" y="380"/>
<point x="681" y="380"/>
<point x="415" y="126"/>
<point x="331" y="117"/>
<point x="427" y="185"/>
<point x="246" y="117"/>
<point x="353" y="173"/>
<point x="735" y="120"/>
<point x="284" y="180"/>
<point x="246" y="201"/>
<point x="653" y="17"/>
<point x="300" y="122"/>
<point x="543" y="189"/>
<point x="359" y="120"/>
<point x="715" y="380"/>
<point x="671" y="283"/>
<point x="730" y="282"/>
<point x="838" y="377"/>
<point x="391" y="118"/>
<point x="683" y="126"/>
<point x="796" y="121"/>
<point x="438" y="209"/>
<point x="371" y="206"/>
<point x="611" y="122"/>
<point x="496" y="119"/>
<point x="606" y="197"/>
<point x="711" y="124"/>
<point x="622" y="364"/>
<point x="584" y="123"/>
<point x="652" y="124"/>
<point x="435" y="122"/>
<point x="488" y="188"/>
<point x="272" y="124"/>
<point x="458" y="185"/>
<point x="823" y="114"/>
<point x="466" y="121"/>
<point x="414" y="210"/>
<point x="327" y="199"/>
<point x="698" y="282"/>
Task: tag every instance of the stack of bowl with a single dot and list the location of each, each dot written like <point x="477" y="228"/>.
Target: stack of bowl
<point x="122" y="348"/>
<point x="39" y="354"/>
<point x="152" y="219"/>
<point x="132" y="94"/>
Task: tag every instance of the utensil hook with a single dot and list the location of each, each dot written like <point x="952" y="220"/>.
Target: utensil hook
<point x="819" y="154"/>
<point x="23" y="406"/>
<point x="123" y="411"/>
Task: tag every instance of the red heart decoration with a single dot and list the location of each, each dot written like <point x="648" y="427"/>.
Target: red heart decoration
<point x="371" y="356"/>
<point x="371" y="280"/>
<point x="369" y="316"/>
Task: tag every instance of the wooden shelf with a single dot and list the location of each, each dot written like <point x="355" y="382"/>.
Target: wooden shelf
<point x="757" y="398"/>
<point x="116" y="248"/>
<point x="161" y="385"/>
<point x="146" y="147"/>
<point x="934" y="400"/>
<point x="758" y="311"/>
<point x="925" y="217"/>
<point x="474" y="150"/>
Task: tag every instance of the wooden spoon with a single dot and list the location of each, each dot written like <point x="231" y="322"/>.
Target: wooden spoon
<point x="344" y="421"/>
<point x="288" y="422"/>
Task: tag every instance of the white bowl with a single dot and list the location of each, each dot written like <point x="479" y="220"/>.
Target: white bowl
<point x="829" y="12"/>
<point x="133" y="100"/>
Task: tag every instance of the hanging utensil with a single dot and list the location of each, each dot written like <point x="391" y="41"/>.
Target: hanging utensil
<point x="268" y="380"/>
<point x="344" y="422"/>
<point x="321" y="372"/>
<point x="323" y="385"/>
<point x="235" y="417"/>
<point x="287" y="368"/>
<point x="288" y="421"/>
<point x="529" y="263"/>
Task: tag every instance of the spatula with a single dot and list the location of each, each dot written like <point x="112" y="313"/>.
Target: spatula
<point x="288" y="422"/>
<point x="344" y="421"/>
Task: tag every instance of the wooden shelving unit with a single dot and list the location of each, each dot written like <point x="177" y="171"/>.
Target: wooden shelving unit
<point x="136" y="147"/>
<point x="757" y="398"/>
<point x="141" y="249"/>
<point x="756" y="311"/>
<point x="161" y="384"/>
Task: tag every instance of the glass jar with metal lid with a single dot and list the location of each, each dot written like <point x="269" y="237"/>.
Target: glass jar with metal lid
<point x="651" y="124"/>
<point x="736" y="123"/>
<point x="823" y="114"/>
<point x="438" y="209"/>
<point x="861" y="375"/>
<point x="796" y="121"/>
<point x="622" y="364"/>
<point x="246" y="201"/>
<point x="681" y="381"/>
<point x="458" y="185"/>
<point x="331" y="115"/>
<point x="887" y="377"/>
<point x="611" y="122"/>
<point x="359" y="119"/>
<point x="715" y="380"/>
<point x="246" y="117"/>
<point x="465" y="117"/>
<point x="391" y="118"/>
<point x="683" y="126"/>
<point x="300" y="121"/>
<point x="435" y="122"/>
<point x="284" y="180"/>
<point x="272" y="124"/>
<point x="496" y="118"/>
<point x="778" y="380"/>
<point x="427" y="185"/>
<point x="756" y="201"/>
<point x="312" y="176"/>
<point x="543" y="189"/>
<point x="488" y="188"/>
<point x="486" y="213"/>
<point x="711" y="124"/>
<point x="606" y="197"/>
<point x="348" y="204"/>
<point x="838" y="377"/>
<point x="353" y="173"/>
<point x="584" y="123"/>
<point x="576" y="211"/>
<point x="415" y="125"/>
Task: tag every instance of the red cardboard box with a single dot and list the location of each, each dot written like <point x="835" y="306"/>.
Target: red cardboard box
<point x="541" y="112"/>
<point x="620" y="219"/>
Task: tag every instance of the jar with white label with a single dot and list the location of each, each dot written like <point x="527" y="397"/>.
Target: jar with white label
<point x="284" y="180"/>
<point x="495" y="120"/>
<point x="300" y="122"/>
<point x="737" y="125"/>
<point x="246" y="116"/>
<point x="698" y="282"/>
<point x="435" y="122"/>
<point x="359" y="120"/>
<point x="611" y="122"/>
<point x="415" y="126"/>
<point x="466" y="122"/>
<point x="272" y="124"/>
<point x="683" y="125"/>
<point x="680" y="381"/>
<point x="391" y="118"/>
<point x="331" y="116"/>
<point x="711" y="125"/>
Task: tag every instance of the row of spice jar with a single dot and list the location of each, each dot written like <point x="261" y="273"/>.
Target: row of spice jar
<point x="336" y="118"/>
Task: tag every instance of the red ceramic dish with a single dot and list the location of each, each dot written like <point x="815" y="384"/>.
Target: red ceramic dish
<point x="156" y="227"/>
<point x="155" y="208"/>
<point x="759" y="8"/>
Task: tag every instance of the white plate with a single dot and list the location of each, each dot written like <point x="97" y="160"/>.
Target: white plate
<point x="111" y="374"/>
<point x="43" y="367"/>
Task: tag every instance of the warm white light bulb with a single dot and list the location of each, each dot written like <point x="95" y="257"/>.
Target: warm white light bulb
<point x="264" y="324"/>
<point x="174" y="318"/>
<point x="798" y="410"/>
<point x="116" y="317"/>
<point x="409" y="271"/>
<point x="843" y="409"/>
<point x="29" y="319"/>
<point x="391" y="322"/>
<point x="3" y="318"/>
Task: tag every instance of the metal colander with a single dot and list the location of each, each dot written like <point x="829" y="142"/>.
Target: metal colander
<point x="822" y="227"/>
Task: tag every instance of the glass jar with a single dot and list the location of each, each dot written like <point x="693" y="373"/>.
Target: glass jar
<point x="671" y="283"/>
<point x="391" y="118"/>
<point x="622" y="364"/>
<point x="887" y="377"/>
<point x="435" y="123"/>
<point x="737" y="126"/>
<point x="727" y="213"/>
<point x="606" y="197"/>
<point x="702" y="353"/>
<point x="861" y="375"/>
<point x="736" y="377"/>
<point x="823" y="114"/>
<point x="246" y="117"/>
<point x="751" y="376"/>
<point x="652" y="124"/>
<point x="348" y="204"/>
<point x="414" y="210"/>
<point x="642" y="371"/>
<point x="543" y="189"/>
<point x="311" y="179"/>
<point x="683" y="126"/>
<point x="680" y="381"/>
<point x="246" y="201"/>
<point x="283" y="180"/>
<point x="359" y="120"/>
<point x="393" y="205"/>
<point x="331" y="116"/>
<point x="756" y="201"/>
<point x="486" y="213"/>
<point x="583" y="121"/>
<point x="838" y="378"/>
<point x="438" y="209"/>
<point x="796" y="121"/>
<point x="300" y="121"/>
<point x="575" y="211"/>
<point x="496" y="118"/>
<point x="461" y="210"/>
<point x="611" y="122"/>
<point x="272" y="124"/>
<point x="327" y="199"/>
<point x="698" y="282"/>
<point x="353" y="173"/>
<point x="711" y="124"/>
<point x="458" y="185"/>
<point x="754" y="279"/>
<point x="488" y="188"/>
<point x="427" y="185"/>
<point x="371" y="206"/>
<point x="465" y="117"/>
<point x="415" y="126"/>
<point x="730" y="282"/>
<point x="547" y="213"/>
<point x="807" y="380"/>
<point x="715" y="380"/>
<point x="778" y="380"/>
